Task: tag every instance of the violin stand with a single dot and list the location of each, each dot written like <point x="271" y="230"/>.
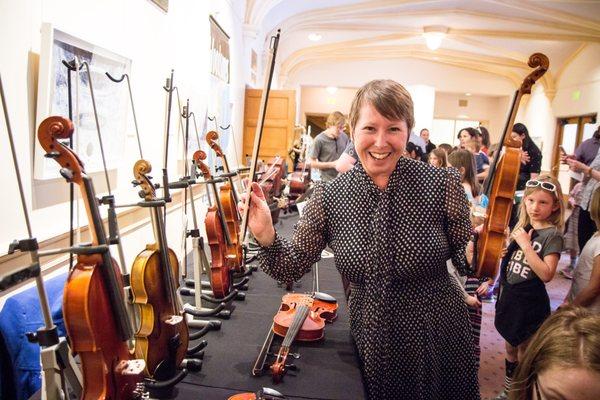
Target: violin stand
<point x="200" y="261"/>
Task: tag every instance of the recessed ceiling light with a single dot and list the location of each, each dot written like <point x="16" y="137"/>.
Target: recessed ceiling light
<point x="467" y="94"/>
<point x="314" y="37"/>
<point x="434" y="35"/>
<point x="462" y="116"/>
<point x="331" y="89"/>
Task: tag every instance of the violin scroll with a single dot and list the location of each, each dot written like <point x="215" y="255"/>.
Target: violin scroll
<point x="198" y="157"/>
<point x="541" y="64"/>
<point x="211" y="139"/>
<point x="140" y="170"/>
<point x="49" y="132"/>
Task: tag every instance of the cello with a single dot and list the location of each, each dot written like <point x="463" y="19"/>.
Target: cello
<point x="162" y="336"/>
<point x="229" y="199"/>
<point x="221" y="262"/>
<point x="94" y="311"/>
<point x="502" y="181"/>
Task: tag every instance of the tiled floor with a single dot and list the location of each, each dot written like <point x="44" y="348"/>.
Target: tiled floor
<point x="491" y="373"/>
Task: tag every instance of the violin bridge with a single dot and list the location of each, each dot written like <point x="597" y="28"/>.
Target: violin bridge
<point x="131" y="367"/>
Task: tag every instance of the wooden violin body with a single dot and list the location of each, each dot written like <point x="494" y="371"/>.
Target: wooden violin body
<point x="108" y="372"/>
<point x="221" y="263"/>
<point x="301" y="317"/>
<point x="312" y="327"/>
<point x="220" y="269"/>
<point x="231" y="216"/>
<point x="161" y="338"/>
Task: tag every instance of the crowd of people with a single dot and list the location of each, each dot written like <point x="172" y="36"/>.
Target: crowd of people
<point x="398" y="212"/>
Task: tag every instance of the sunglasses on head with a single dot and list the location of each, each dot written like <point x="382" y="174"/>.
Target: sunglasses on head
<point x="549" y="186"/>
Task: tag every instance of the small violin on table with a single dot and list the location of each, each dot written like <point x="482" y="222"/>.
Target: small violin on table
<point x="300" y="317"/>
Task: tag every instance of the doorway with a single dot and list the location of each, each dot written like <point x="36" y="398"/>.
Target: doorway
<point x="571" y="132"/>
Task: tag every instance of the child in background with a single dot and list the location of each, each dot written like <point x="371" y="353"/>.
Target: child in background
<point x="530" y="261"/>
<point x="464" y="161"/>
<point x="561" y="361"/>
<point x="482" y="162"/>
<point x="585" y="288"/>
<point x="438" y="158"/>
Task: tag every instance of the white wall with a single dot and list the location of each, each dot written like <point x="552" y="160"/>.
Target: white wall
<point x="492" y="109"/>
<point x="582" y="74"/>
<point x="155" y="42"/>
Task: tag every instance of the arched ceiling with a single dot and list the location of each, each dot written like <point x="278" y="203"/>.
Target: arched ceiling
<point x="494" y="37"/>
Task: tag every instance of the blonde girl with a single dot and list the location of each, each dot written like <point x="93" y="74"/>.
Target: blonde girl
<point x="530" y="262"/>
<point x="438" y="158"/>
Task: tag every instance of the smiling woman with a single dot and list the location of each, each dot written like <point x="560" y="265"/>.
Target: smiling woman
<point x="407" y="317"/>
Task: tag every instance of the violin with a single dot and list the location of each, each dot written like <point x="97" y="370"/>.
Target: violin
<point x="221" y="263"/>
<point x="300" y="317"/>
<point x="229" y="199"/>
<point x="502" y="181"/>
<point x="263" y="394"/>
<point x="162" y="336"/>
<point x="94" y="310"/>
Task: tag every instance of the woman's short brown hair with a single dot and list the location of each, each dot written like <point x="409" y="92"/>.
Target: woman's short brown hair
<point x="389" y="98"/>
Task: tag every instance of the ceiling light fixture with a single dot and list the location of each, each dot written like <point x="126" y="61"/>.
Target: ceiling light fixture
<point x="314" y="37"/>
<point x="331" y="89"/>
<point x="434" y="35"/>
<point x="467" y="94"/>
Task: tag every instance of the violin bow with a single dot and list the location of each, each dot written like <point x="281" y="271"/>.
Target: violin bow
<point x="259" y="129"/>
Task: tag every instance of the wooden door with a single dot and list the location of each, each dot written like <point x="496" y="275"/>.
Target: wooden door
<point x="278" y="130"/>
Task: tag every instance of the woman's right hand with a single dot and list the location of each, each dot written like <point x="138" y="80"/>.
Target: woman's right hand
<point x="259" y="216"/>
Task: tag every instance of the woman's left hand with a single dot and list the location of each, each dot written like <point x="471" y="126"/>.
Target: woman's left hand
<point x="522" y="237"/>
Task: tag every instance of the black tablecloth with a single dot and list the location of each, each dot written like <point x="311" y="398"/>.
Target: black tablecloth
<point x="327" y="369"/>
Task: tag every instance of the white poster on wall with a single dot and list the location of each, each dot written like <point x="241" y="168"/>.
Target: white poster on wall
<point x="53" y="99"/>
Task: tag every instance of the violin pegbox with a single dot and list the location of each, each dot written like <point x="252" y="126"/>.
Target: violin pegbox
<point x="141" y="169"/>
<point x="199" y="156"/>
<point x="50" y="131"/>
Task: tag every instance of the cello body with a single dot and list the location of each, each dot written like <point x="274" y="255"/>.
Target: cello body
<point x="161" y="337"/>
<point x="502" y="181"/>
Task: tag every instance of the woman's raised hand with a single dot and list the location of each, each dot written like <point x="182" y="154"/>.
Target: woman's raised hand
<point x="575" y="165"/>
<point x="259" y="216"/>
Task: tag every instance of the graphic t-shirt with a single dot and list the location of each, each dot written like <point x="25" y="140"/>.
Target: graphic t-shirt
<point x="548" y="241"/>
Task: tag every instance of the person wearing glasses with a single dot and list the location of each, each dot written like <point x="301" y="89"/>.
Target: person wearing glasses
<point x="530" y="261"/>
<point x="561" y="361"/>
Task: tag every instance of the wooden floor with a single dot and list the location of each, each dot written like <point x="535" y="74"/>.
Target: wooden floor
<point x="491" y="373"/>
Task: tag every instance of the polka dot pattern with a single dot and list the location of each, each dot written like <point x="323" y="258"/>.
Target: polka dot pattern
<point x="407" y="316"/>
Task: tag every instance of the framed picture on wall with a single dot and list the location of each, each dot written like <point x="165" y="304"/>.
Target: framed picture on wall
<point x="112" y="100"/>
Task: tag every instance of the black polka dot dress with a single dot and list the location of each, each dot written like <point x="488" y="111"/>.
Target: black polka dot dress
<point x="407" y="315"/>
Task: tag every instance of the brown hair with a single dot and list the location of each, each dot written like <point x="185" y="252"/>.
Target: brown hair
<point x="447" y="147"/>
<point x="462" y="158"/>
<point x="441" y="155"/>
<point x="473" y="145"/>
<point x="569" y="338"/>
<point x="336" y="118"/>
<point x="557" y="218"/>
<point x="389" y="98"/>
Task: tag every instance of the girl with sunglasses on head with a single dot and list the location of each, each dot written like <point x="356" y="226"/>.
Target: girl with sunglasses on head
<point x="530" y="261"/>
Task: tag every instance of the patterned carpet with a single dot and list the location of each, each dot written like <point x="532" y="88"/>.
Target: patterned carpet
<point x="491" y="373"/>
